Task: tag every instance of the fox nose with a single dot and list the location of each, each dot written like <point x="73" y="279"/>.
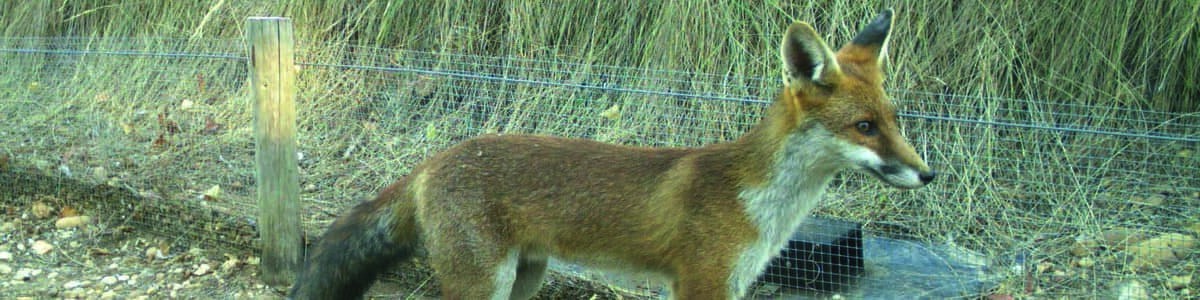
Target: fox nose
<point x="926" y="177"/>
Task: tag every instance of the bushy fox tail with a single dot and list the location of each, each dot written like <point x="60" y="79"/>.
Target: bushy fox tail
<point x="358" y="246"/>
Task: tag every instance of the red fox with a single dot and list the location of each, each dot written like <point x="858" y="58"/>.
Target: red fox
<point x="490" y="211"/>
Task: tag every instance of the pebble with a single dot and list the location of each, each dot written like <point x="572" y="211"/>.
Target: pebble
<point x="1132" y="290"/>
<point x="42" y="247"/>
<point x="100" y="173"/>
<point x="202" y="269"/>
<point x="72" y="284"/>
<point x="71" y="222"/>
<point x="5" y="255"/>
<point x="109" y="280"/>
<point x="1086" y="262"/>
<point x="229" y="264"/>
<point x="1162" y="251"/>
<point x="27" y="274"/>
<point x="153" y="252"/>
<point x="5" y="269"/>
<point x="75" y="293"/>
<point x="41" y="210"/>
<point x="1179" y="282"/>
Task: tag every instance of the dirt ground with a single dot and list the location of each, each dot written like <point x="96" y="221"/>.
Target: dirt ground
<point x="57" y="244"/>
<point x="66" y="240"/>
<point x="100" y="261"/>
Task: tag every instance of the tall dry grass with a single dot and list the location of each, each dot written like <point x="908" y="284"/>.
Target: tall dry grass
<point x="1132" y="53"/>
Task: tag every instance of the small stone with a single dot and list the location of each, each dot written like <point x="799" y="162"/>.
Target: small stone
<point x="41" y="210"/>
<point x="1086" y="262"/>
<point x="202" y="269"/>
<point x="5" y="255"/>
<point x="26" y="274"/>
<point x="109" y="280"/>
<point x="72" y="284"/>
<point x="1132" y="290"/>
<point x="1120" y="238"/>
<point x="42" y="247"/>
<point x="212" y="194"/>
<point x="71" y="222"/>
<point x="100" y="173"/>
<point x="153" y="252"/>
<point x="229" y="264"/>
<point x="1162" y="250"/>
<point x="1044" y="266"/>
<point x="75" y="293"/>
<point x="65" y="234"/>
<point x="5" y="269"/>
<point x="1179" y="282"/>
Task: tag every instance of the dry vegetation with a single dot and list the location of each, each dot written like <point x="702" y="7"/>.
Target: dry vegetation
<point x="1083" y="214"/>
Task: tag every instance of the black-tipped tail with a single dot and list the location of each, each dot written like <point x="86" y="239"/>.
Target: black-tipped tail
<point x="355" y="249"/>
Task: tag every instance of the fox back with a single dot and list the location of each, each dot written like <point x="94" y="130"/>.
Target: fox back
<point x="490" y="211"/>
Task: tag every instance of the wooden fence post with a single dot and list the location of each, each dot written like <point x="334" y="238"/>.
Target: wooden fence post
<point x="273" y="77"/>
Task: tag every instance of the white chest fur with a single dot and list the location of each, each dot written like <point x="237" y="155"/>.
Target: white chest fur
<point x="801" y="172"/>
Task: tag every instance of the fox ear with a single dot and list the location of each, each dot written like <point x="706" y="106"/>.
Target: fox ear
<point x="806" y="58"/>
<point x="874" y="38"/>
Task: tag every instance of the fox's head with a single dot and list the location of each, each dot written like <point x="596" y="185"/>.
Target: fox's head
<point x="842" y="94"/>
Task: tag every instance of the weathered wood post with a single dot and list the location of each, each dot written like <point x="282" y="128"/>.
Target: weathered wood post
<point x="273" y="77"/>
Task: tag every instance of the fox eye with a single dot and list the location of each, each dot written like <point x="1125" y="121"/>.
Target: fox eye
<point x="867" y="128"/>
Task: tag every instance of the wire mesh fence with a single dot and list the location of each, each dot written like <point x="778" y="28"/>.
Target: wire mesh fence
<point x="1037" y="196"/>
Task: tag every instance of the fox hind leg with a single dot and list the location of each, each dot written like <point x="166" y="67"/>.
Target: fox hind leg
<point x="512" y="276"/>
<point x="474" y="272"/>
<point x="530" y="272"/>
<point x="472" y="257"/>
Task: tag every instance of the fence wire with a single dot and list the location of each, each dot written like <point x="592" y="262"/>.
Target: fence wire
<point x="1036" y="196"/>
